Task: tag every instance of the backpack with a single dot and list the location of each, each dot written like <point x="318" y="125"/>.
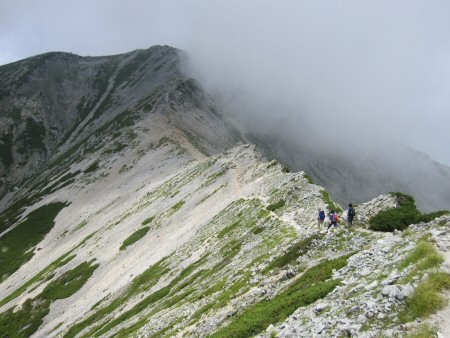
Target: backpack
<point x="336" y="217"/>
<point x="322" y="214"/>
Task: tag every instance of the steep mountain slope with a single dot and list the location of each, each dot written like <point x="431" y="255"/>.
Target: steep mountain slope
<point x="143" y="217"/>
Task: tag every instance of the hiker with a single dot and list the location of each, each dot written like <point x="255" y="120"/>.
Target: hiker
<point x="334" y="220"/>
<point x="320" y="217"/>
<point x="350" y="214"/>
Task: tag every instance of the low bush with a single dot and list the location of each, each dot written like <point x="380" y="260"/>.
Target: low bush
<point x="397" y="218"/>
<point x="134" y="237"/>
<point x="148" y="220"/>
<point x="277" y="205"/>
<point x="401" y="217"/>
<point x="432" y="215"/>
<point x="292" y="253"/>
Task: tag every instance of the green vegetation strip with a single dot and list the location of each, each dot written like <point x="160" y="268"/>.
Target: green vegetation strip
<point x="16" y="245"/>
<point x="314" y="284"/>
<point x="405" y="214"/>
<point x="228" y="229"/>
<point x="41" y="276"/>
<point x="277" y="205"/>
<point x="142" y="283"/>
<point x="427" y="298"/>
<point x="424" y="257"/>
<point x="148" y="220"/>
<point x="291" y="255"/>
<point x="330" y="204"/>
<point x="25" y="321"/>
<point x="135" y="236"/>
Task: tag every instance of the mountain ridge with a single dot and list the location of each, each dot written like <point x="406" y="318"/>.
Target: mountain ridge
<point x="155" y="221"/>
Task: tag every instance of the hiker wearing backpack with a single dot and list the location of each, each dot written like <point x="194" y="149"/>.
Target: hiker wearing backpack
<point x="350" y="214"/>
<point x="334" y="220"/>
<point x="320" y="217"/>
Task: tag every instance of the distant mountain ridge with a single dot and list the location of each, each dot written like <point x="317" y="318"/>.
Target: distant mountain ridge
<point x="55" y="102"/>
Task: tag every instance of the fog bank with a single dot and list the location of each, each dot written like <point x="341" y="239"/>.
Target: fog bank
<point x="348" y="73"/>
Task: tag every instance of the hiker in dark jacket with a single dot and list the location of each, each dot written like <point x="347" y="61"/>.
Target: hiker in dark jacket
<point x="350" y="214"/>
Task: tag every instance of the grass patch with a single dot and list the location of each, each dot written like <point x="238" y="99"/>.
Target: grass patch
<point x="148" y="220"/>
<point x="308" y="178"/>
<point x="257" y="230"/>
<point x="427" y="298"/>
<point x="69" y="282"/>
<point x="134" y="237"/>
<point x="26" y="320"/>
<point x="16" y="245"/>
<point x="423" y="331"/>
<point x="311" y="286"/>
<point x="228" y="229"/>
<point x="263" y="213"/>
<point x="92" y="168"/>
<point x="41" y="276"/>
<point x="291" y="255"/>
<point x="80" y="226"/>
<point x="423" y="250"/>
<point x="275" y="206"/>
<point x="424" y="256"/>
<point x="330" y="204"/>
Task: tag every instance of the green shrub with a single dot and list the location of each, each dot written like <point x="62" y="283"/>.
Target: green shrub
<point x="18" y="243"/>
<point x="277" y="205"/>
<point x="432" y="215"/>
<point x="401" y="217"/>
<point x="69" y="282"/>
<point x="93" y="167"/>
<point x="134" y="237"/>
<point x="148" y="220"/>
<point x="397" y="218"/>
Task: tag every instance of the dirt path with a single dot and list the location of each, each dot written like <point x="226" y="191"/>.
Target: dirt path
<point x="443" y="316"/>
<point x="235" y="184"/>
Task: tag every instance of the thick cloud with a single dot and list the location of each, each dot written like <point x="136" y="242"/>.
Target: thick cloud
<point x="368" y="67"/>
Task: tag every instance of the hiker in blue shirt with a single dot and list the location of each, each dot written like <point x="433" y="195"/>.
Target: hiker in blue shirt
<point x="320" y="217"/>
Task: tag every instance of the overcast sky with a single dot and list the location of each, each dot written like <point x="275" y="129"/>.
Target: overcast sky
<point x="380" y="66"/>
